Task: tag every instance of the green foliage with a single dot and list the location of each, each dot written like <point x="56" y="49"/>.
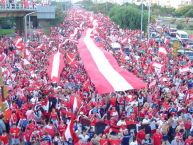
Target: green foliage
<point x="7" y="23"/>
<point x="162" y="11"/>
<point x="173" y="21"/>
<point x="189" y="13"/>
<point x="180" y="26"/>
<point x="186" y="10"/>
<point x="6" y="31"/>
<point x="59" y="15"/>
<point x="190" y="27"/>
<point x="128" y="17"/>
<point x="153" y="19"/>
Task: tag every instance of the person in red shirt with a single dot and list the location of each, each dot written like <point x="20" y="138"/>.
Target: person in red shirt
<point x="141" y="135"/>
<point x="15" y="132"/>
<point x="54" y="117"/>
<point x="26" y="136"/>
<point x="189" y="140"/>
<point x="115" y="140"/>
<point x="61" y="128"/>
<point x="35" y="136"/>
<point x="104" y="140"/>
<point x="157" y="138"/>
<point x="4" y="138"/>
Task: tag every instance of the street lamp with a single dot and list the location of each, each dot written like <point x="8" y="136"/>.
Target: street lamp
<point x="25" y="25"/>
<point x="141" y="17"/>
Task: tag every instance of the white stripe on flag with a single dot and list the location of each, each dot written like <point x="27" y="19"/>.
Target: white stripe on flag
<point x="55" y="65"/>
<point x="75" y="104"/>
<point x="68" y="132"/>
<point x="113" y="77"/>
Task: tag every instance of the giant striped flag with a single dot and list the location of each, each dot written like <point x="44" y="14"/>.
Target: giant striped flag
<point x="103" y="69"/>
<point x="56" y="65"/>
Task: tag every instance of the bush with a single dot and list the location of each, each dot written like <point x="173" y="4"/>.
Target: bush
<point x="190" y="27"/>
<point x="180" y="26"/>
<point x="173" y="21"/>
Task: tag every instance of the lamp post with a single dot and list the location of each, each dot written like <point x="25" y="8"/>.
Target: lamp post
<point x="25" y="25"/>
<point x="141" y="18"/>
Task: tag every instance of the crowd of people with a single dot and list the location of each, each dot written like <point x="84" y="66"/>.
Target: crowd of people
<point x="38" y="112"/>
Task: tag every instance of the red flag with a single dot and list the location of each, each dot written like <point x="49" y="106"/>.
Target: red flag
<point x="2" y="58"/>
<point x="56" y="65"/>
<point x="27" y="54"/>
<point x="70" y="57"/>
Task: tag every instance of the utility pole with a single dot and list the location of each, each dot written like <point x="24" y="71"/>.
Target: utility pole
<point x="25" y="25"/>
<point x="149" y="17"/>
<point x="141" y="18"/>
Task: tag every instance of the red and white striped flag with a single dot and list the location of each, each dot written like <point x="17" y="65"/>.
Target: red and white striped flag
<point x="152" y="84"/>
<point x="184" y="69"/>
<point x="75" y="102"/>
<point x="2" y="58"/>
<point x="70" y="57"/>
<point x="103" y="69"/>
<point x="124" y="40"/>
<point x="19" y="43"/>
<point x="56" y="65"/>
<point x="162" y="50"/>
<point x="69" y="133"/>
<point x="27" y="54"/>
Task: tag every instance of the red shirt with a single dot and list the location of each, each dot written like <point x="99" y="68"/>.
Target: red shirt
<point x="4" y="139"/>
<point x="31" y="127"/>
<point x="104" y="141"/>
<point x="113" y="101"/>
<point x="54" y="115"/>
<point x="140" y="136"/>
<point x="51" y="130"/>
<point x="188" y="125"/>
<point x="188" y="142"/>
<point x="157" y="138"/>
<point x="61" y="129"/>
<point x="14" y="131"/>
<point x="26" y="136"/>
<point x="115" y="141"/>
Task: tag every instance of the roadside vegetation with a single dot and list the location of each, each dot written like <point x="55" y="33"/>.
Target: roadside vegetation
<point x="129" y="15"/>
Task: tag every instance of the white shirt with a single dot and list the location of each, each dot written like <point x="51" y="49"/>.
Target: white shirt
<point x="84" y="138"/>
<point x="121" y="122"/>
<point x="133" y="143"/>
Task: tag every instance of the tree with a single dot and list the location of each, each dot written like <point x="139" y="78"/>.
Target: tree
<point x="128" y="17"/>
<point x="59" y="15"/>
<point x="189" y="13"/>
<point x="182" y="11"/>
